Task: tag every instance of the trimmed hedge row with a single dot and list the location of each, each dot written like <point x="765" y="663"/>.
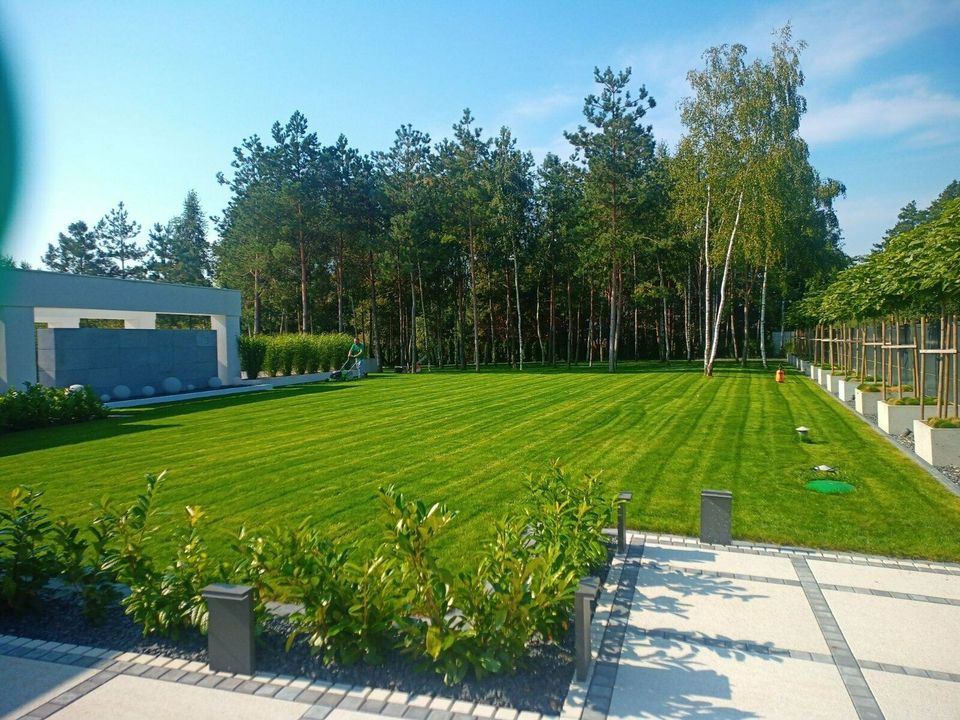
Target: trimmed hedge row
<point x="289" y="354"/>
<point x="40" y="406"/>
<point x="358" y="603"/>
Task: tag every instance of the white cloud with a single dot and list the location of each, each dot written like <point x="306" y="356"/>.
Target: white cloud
<point x="544" y="106"/>
<point x="886" y="109"/>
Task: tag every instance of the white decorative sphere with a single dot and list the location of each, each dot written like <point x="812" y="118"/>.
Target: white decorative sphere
<point x="147" y="391"/>
<point x="172" y="385"/>
<point x="215" y="382"/>
<point x="75" y="388"/>
<point x="191" y="388"/>
<point x="121" y="392"/>
<point x="105" y="397"/>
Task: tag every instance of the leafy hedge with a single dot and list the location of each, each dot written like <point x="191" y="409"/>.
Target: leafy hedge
<point x="40" y="406"/>
<point x="356" y="604"/>
<point x="289" y="354"/>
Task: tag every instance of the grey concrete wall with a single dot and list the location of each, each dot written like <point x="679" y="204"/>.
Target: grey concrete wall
<point x="107" y="358"/>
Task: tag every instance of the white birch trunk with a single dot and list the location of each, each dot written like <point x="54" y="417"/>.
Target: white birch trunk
<point x="723" y="288"/>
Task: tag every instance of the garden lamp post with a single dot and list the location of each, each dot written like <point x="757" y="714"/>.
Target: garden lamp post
<point x="516" y="285"/>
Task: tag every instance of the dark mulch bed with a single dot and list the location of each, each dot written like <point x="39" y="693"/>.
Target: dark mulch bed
<point x="540" y="685"/>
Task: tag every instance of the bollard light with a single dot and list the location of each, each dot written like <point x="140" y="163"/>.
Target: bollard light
<point x="803" y="433"/>
<point x="622" y="500"/>
<point x="715" y="516"/>
<point x="585" y="595"/>
<point x="230" y="646"/>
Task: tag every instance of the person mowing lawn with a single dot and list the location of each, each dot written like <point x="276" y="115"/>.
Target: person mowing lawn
<point x="356" y="352"/>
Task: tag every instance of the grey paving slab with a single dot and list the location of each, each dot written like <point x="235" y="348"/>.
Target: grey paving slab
<point x="899" y="632"/>
<point x="887" y="579"/>
<point x="667" y="679"/>
<point x="699" y="558"/>
<point x="735" y="610"/>
<point x="27" y="684"/>
<point x="906" y="697"/>
<point x="133" y="698"/>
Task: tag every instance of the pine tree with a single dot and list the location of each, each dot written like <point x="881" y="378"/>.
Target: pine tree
<point x="117" y="234"/>
<point x="189" y="245"/>
<point x="76" y="252"/>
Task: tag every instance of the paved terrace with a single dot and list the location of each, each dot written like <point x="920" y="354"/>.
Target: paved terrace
<point x="682" y="630"/>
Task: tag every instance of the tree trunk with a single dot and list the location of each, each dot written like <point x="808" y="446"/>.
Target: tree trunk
<point x="707" y="343"/>
<point x="763" y="317"/>
<point x="590" y="333"/>
<point x="569" y="321"/>
<point x="686" y="312"/>
<point x="413" y="323"/>
<point x="473" y="301"/>
<point x="723" y="288"/>
<point x="374" y="331"/>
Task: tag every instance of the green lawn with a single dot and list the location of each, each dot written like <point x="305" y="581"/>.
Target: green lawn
<point x="466" y="439"/>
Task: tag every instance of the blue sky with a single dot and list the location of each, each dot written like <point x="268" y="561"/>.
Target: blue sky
<point x="140" y="102"/>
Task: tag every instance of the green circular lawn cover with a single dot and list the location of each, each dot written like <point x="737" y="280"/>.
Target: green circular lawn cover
<point x="830" y="487"/>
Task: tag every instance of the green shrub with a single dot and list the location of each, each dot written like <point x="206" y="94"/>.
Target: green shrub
<point x="346" y="614"/>
<point x="947" y="422"/>
<point x="28" y="557"/>
<point x="253" y="351"/>
<point x="911" y="401"/>
<point x="164" y="600"/>
<point x="40" y="406"/>
<point x="357" y="604"/>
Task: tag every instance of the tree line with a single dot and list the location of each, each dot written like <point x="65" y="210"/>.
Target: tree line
<point x="465" y="251"/>
<point x="177" y="252"/>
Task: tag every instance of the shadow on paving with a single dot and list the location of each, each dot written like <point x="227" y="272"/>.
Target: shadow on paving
<point x="27" y="683"/>
<point x="686" y="586"/>
<point x="672" y="686"/>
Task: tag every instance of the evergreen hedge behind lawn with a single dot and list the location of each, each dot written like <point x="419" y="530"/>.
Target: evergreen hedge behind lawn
<point x="39" y="406"/>
<point x="289" y="354"/>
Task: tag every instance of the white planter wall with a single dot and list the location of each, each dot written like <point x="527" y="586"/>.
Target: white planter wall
<point x="846" y="389"/>
<point x="938" y="446"/>
<point x="866" y="402"/>
<point x="826" y="378"/>
<point x="896" y="419"/>
<point x="834" y="384"/>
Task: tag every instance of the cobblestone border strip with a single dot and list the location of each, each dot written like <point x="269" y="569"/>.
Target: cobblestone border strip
<point x="603" y="677"/>
<point x="693" y="572"/>
<point x="875" y="561"/>
<point x="860" y="693"/>
<point x="320" y="697"/>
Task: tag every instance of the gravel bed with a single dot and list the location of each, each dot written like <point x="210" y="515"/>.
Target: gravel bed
<point x="540" y="685"/>
<point x="952" y="472"/>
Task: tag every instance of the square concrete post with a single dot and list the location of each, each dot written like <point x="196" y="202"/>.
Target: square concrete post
<point x="622" y="500"/>
<point x="583" y="613"/>
<point x="230" y="646"/>
<point x="715" y="516"/>
<point x="18" y="351"/>
<point x="228" y="349"/>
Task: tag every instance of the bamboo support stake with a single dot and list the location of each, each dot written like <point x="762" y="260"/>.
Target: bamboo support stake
<point x="899" y="365"/>
<point x="883" y="358"/>
<point x="917" y="379"/>
<point x="922" y="342"/>
<point x="956" y="359"/>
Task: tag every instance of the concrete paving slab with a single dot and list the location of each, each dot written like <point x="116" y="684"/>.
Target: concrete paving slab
<point x="898" y="632"/>
<point x="663" y="679"/>
<point x="699" y="558"/>
<point x="133" y="698"/>
<point x="902" y="697"/>
<point x="27" y="684"/>
<point x="889" y="579"/>
<point x="737" y="610"/>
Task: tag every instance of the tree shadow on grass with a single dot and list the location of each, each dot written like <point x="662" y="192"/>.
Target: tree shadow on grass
<point x="25" y="441"/>
<point x="130" y="421"/>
